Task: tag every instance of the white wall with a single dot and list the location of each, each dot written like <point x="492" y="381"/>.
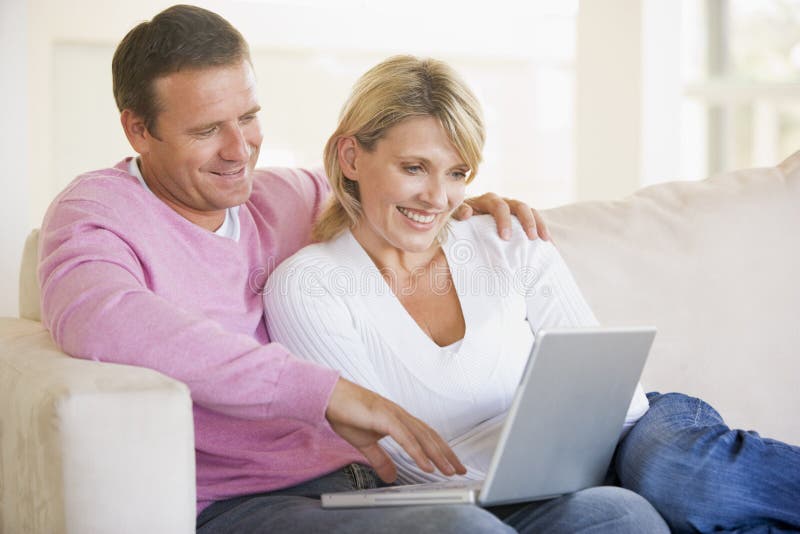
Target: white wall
<point x="663" y="123"/>
<point x="14" y="216"/>
<point x="518" y="56"/>
<point x="507" y="53"/>
<point x="628" y="99"/>
<point x="312" y="52"/>
<point x="56" y="87"/>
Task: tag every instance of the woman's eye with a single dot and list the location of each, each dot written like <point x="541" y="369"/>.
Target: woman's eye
<point x="413" y="169"/>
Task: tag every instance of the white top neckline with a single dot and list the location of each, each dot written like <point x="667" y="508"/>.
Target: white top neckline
<point x="385" y="295"/>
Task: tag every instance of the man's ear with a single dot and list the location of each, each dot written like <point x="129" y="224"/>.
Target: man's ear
<point x="347" y="149"/>
<point x="136" y="131"/>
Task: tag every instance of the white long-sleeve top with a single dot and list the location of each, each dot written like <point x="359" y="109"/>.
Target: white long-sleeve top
<point x="329" y="303"/>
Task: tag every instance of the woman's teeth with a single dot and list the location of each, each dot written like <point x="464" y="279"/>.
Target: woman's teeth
<point x="424" y="219"/>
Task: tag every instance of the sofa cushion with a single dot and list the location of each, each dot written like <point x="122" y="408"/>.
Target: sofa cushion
<point x="714" y="265"/>
<point x="90" y="447"/>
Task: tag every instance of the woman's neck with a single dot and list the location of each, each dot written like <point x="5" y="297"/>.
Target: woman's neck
<point x="388" y="257"/>
<point x="422" y="283"/>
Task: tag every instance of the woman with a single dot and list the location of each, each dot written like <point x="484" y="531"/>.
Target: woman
<point x="437" y="316"/>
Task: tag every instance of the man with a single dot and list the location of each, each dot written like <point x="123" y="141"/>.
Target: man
<point x="158" y="262"/>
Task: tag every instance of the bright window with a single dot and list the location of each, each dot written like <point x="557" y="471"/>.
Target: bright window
<point x="742" y="83"/>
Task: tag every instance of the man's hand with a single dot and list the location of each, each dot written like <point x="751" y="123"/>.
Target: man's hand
<point x="362" y="417"/>
<point x="502" y="209"/>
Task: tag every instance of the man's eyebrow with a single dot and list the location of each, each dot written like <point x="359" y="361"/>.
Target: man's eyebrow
<point x="252" y="111"/>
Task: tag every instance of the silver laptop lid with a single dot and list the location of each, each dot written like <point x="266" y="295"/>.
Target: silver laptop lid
<point x="568" y="413"/>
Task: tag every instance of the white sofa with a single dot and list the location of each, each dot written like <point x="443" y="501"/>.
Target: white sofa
<point x="91" y="447"/>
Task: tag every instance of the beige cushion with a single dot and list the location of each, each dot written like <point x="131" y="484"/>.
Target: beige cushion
<point x="715" y="265"/>
<point x="89" y="447"/>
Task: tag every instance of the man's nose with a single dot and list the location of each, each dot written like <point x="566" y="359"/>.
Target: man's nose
<point x="235" y="147"/>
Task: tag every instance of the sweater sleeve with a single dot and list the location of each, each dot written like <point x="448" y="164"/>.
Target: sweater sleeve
<point x="553" y="299"/>
<point x="97" y="305"/>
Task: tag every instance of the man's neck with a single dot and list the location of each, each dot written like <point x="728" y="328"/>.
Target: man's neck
<point x="210" y="220"/>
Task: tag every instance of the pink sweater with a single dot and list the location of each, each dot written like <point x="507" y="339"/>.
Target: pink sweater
<point x="126" y="279"/>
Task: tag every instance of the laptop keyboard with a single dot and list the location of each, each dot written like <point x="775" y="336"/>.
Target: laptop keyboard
<point x="431" y="486"/>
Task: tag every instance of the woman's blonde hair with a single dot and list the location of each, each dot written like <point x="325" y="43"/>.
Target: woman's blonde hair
<point x="397" y="89"/>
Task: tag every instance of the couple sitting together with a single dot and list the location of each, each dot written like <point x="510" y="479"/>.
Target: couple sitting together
<point x="379" y="345"/>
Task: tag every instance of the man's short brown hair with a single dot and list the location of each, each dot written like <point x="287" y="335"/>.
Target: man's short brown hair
<point x="180" y="37"/>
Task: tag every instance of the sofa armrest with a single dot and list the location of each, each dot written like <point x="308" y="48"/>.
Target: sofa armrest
<point x="90" y="447"/>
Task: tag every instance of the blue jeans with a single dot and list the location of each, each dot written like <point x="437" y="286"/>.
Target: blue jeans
<point x="702" y="476"/>
<point x="297" y="509"/>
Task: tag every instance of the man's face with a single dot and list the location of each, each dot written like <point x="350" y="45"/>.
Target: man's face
<point x="200" y="158"/>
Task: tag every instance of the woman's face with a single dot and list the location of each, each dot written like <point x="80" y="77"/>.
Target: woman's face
<point x="409" y="185"/>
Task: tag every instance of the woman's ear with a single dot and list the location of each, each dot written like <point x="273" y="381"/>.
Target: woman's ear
<point x="347" y="148"/>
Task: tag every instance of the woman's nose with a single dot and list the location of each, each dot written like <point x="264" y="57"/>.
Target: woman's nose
<point x="435" y="192"/>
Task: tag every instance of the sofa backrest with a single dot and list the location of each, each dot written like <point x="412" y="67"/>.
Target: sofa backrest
<point x="28" y="283"/>
<point x="715" y="265"/>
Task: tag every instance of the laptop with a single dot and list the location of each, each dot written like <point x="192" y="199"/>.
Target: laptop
<point x="560" y="432"/>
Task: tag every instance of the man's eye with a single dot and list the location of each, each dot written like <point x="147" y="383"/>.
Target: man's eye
<point x="247" y="119"/>
<point x="208" y="132"/>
